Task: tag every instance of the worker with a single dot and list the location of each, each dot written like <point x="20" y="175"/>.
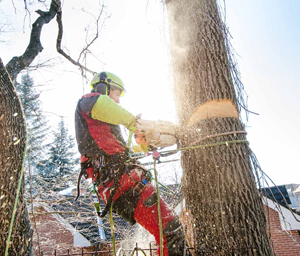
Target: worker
<point x="105" y="158"/>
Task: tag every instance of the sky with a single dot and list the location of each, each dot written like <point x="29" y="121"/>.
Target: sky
<point x="133" y="44"/>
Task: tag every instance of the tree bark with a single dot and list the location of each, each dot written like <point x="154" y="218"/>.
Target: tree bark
<point x="218" y="183"/>
<point x="12" y="150"/>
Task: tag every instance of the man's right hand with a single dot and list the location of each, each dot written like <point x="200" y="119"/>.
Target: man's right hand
<point x="140" y="139"/>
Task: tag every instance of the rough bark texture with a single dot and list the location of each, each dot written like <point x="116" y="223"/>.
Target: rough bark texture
<point x="218" y="183"/>
<point x="12" y="147"/>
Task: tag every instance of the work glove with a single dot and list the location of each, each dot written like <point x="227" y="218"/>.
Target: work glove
<point x="143" y="145"/>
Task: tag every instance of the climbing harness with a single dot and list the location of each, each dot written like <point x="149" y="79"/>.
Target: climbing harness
<point x="106" y="170"/>
<point x="100" y="169"/>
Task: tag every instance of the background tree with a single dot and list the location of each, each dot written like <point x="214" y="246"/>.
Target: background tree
<point x="61" y="163"/>
<point x="37" y="127"/>
<point x="219" y="185"/>
<point x="62" y="150"/>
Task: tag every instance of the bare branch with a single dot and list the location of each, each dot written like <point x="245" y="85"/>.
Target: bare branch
<point x="16" y="64"/>
<point x="61" y="51"/>
<point x="85" y="49"/>
<point x="44" y="64"/>
<point x="13" y="3"/>
<point x="27" y="12"/>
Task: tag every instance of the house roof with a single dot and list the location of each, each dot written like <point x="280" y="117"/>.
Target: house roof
<point x="171" y="194"/>
<point x="82" y="216"/>
<point x="278" y="194"/>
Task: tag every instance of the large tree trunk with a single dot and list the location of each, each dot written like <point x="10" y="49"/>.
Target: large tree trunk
<point x="12" y="150"/>
<point x="13" y="141"/>
<point x="219" y="186"/>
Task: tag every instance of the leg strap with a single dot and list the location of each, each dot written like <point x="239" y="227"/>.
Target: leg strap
<point x="125" y="193"/>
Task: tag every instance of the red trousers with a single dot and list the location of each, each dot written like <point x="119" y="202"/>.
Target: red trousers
<point x="145" y="211"/>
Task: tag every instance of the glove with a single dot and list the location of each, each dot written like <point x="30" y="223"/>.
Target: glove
<point x="141" y="139"/>
<point x="142" y="143"/>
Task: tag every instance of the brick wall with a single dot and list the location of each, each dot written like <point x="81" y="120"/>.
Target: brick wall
<point x="52" y="234"/>
<point x="285" y="243"/>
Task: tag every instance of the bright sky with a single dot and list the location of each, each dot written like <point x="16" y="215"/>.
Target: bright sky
<point x="133" y="44"/>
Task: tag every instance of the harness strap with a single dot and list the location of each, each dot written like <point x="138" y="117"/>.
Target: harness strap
<point x="84" y="166"/>
<point x="112" y="168"/>
<point x="90" y="163"/>
<point x="112" y="194"/>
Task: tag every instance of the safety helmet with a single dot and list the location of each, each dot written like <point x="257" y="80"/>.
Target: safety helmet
<point x="109" y="79"/>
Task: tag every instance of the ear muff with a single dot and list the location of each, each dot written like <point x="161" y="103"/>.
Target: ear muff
<point x="102" y="88"/>
<point x="102" y="78"/>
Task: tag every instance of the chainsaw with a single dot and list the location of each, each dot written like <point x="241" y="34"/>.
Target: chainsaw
<point x="154" y="134"/>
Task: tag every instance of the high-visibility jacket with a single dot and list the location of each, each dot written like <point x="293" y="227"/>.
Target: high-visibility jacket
<point x="97" y="120"/>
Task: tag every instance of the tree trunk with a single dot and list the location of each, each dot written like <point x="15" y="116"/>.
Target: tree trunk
<point x="12" y="150"/>
<point x="219" y="186"/>
<point x="13" y="144"/>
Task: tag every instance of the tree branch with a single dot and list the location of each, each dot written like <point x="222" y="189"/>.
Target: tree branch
<point x="17" y="64"/>
<point x="61" y="51"/>
<point x="85" y="49"/>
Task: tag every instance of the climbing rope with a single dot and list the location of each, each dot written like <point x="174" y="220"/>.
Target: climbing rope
<point x="196" y="147"/>
<point x="111" y="221"/>
<point x="161" y="162"/>
<point x="158" y="210"/>
<point x="218" y="135"/>
<point x="16" y="201"/>
<point x="208" y="145"/>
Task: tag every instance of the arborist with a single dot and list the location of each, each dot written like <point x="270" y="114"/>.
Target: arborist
<point x="105" y="158"/>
